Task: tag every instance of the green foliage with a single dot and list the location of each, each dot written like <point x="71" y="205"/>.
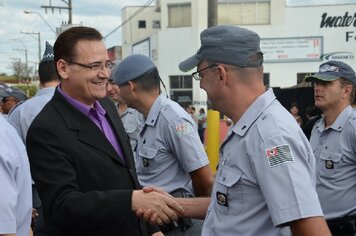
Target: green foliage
<point x="29" y="90"/>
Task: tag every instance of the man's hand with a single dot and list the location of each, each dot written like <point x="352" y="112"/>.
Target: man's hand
<point x="158" y="234"/>
<point x="158" y="207"/>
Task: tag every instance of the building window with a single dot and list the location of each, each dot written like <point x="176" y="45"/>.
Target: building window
<point x="142" y="24"/>
<point x="301" y="77"/>
<point x="156" y="24"/>
<point x="179" y="15"/>
<point x="181" y="89"/>
<point x="244" y="12"/>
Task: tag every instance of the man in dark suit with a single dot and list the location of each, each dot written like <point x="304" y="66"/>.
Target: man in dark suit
<point x="80" y="155"/>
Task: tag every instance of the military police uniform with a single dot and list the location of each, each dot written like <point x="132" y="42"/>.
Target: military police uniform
<point x="15" y="182"/>
<point x="335" y="152"/>
<point x="132" y="121"/>
<point x="169" y="148"/>
<point x="265" y="175"/>
<point x="22" y="116"/>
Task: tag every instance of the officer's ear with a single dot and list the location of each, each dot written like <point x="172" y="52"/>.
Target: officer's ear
<point x="222" y="73"/>
<point x="132" y="86"/>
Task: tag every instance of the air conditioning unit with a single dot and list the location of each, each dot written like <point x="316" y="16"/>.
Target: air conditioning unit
<point x="156" y="24"/>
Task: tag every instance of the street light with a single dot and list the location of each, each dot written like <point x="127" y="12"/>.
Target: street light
<point x="24" y="49"/>
<point x="39" y="42"/>
<point x="35" y="12"/>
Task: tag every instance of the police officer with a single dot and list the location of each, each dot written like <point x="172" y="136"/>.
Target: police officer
<point x="333" y="141"/>
<point x="131" y="118"/>
<point x="169" y="152"/>
<point x="266" y="172"/>
<point x="22" y="116"/>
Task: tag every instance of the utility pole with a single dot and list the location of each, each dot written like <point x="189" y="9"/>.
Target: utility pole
<point x="212" y="12"/>
<point x="213" y="117"/>
<point x="38" y="40"/>
<point x="60" y="8"/>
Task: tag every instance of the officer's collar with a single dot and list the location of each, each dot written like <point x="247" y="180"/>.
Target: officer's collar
<point x="253" y="112"/>
<point x="155" y="109"/>
<point x="340" y="121"/>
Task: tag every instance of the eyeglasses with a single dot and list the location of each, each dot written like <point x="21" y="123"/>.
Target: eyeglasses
<point x="198" y="76"/>
<point x="95" y="66"/>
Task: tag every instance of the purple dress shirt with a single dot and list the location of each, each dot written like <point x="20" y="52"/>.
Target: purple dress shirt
<point x="97" y="115"/>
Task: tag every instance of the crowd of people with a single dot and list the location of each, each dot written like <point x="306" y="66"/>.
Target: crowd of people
<point x="111" y="154"/>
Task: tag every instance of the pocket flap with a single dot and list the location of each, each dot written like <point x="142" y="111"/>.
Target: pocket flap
<point x="228" y="176"/>
<point x="328" y="155"/>
<point x="148" y="152"/>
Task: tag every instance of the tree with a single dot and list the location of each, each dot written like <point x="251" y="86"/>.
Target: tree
<point x="19" y="70"/>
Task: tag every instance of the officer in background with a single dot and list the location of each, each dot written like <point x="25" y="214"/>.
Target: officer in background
<point x="266" y="172"/>
<point x="131" y="118"/>
<point x="13" y="97"/>
<point x="169" y="152"/>
<point x="22" y="116"/>
<point x="333" y="141"/>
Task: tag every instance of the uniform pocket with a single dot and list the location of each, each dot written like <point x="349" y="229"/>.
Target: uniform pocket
<point x="147" y="160"/>
<point x="328" y="163"/>
<point x="229" y="197"/>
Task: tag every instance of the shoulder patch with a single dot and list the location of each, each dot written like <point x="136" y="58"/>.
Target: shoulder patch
<point x="279" y="155"/>
<point x="184" y="128"/>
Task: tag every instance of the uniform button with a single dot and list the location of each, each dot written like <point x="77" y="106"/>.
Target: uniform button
<point x="243" y="127"/>
<point x="326" y="147"/>
<point x="224" y="178"/>
<point x="152" y="121"/>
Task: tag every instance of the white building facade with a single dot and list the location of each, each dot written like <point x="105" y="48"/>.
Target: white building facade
<point x="296" y="37"/>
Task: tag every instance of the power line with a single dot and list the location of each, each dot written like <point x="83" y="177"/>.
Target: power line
<point x="128" y="19"/>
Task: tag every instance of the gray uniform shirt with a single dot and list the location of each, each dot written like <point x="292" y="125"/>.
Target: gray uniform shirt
<point x="335" y="152"/>
<point x="133" y="122"/>
<point x="15" y="183"/>
<point x="266" y="174"/>
<point x="169" y="147"/>
<point x="22" y="116"/>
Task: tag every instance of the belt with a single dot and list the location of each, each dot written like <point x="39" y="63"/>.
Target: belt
<point x="342" y="226"/>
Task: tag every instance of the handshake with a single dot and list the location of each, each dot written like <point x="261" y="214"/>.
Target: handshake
<point x="156" y="206"/>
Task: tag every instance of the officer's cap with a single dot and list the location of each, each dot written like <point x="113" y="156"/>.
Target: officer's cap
<point x="48" y="55"/>
<point x="3" y="92"/>
<point x="131" y="68"/>
<point x="16" y="93"/>
<point x="333" y="70"/>
<point x="227" y="44"/>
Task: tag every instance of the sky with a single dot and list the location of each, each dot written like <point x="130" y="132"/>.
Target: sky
<point x="104" y="15"/>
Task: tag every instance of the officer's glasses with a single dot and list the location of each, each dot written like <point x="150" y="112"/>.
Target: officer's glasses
<point x="198" y="76"/>
<point x="94" y="66"/>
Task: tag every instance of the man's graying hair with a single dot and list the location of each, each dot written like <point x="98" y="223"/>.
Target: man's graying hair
<point x="345" y="82"/>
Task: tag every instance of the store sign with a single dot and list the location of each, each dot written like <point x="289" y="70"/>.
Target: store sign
<point x="337" y="56"/>
<point x="345" y="21"/>
<point x="292" y="49"/>
<point x="300" y="3"/>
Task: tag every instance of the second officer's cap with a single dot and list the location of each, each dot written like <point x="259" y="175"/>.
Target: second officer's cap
<point x="131" y="68"/>
<point x="48" y="55"/>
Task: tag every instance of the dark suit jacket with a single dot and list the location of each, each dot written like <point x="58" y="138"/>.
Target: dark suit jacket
<point x="84" y="186"/>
